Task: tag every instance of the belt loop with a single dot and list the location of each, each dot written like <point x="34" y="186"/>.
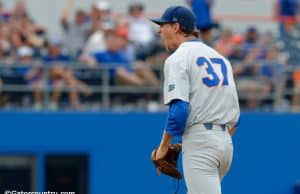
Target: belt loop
<point x="208" y="126"/>
<point x="223" y="127"/>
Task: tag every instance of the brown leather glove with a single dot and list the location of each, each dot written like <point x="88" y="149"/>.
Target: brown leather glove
<point x="168" y="164"/>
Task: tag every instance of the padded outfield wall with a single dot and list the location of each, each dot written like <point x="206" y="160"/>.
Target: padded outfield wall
<point x="118" y="146"/>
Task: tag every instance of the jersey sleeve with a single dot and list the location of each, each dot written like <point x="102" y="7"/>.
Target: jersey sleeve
<point x="177" y="117"/>
<point x="176" y="83"/>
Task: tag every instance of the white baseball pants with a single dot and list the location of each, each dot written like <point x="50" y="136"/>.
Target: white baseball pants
<point x="207" y="156"/>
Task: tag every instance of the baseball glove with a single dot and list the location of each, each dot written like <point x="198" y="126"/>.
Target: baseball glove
<point x="168" y="164"/>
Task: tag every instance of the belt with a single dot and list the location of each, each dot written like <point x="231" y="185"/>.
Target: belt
<point x="209" y="126"/>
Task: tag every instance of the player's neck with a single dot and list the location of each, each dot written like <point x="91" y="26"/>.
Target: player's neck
<point x="178" y="40"/>
<point x="190" y="38"/>
<point x="183" y="39"/>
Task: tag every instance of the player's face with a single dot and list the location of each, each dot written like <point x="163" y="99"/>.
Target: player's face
<point x="167" y="33"/>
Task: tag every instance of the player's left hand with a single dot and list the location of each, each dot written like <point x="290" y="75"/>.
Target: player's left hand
<point x="159" y="153"/>
<point x="165" y="160"/>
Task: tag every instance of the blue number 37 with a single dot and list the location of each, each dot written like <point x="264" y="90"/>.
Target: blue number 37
<point x="213" y="79"/>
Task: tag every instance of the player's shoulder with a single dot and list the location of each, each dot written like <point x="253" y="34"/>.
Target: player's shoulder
<point x="180" y="53"/>
<point x="209" y="51"/>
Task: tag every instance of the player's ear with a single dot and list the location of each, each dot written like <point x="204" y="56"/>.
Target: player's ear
<point x="176" y="27"/>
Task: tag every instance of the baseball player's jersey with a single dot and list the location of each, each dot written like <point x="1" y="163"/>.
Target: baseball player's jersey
<point x="198" y="74"/>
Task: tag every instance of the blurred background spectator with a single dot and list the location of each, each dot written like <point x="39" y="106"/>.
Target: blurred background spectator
<point x="204" y="19"/>
<point x="286" y="12"/>
<point x="32" y="74"/>
<point x="140" y="32"/>
<point x="202" y="11"/>
<point x="76" y="30"/>
<point x="116" y="61"/>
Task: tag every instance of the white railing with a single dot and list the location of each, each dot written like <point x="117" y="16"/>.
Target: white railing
<point x="105" y="89"/>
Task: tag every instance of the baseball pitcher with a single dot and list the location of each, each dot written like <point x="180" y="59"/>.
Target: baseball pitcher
<point x="203" y="105"/>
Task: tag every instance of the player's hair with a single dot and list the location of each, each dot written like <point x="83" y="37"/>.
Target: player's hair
<point x="188" y="32"/>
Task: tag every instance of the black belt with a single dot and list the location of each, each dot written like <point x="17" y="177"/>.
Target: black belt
<point x="209" y="126"/>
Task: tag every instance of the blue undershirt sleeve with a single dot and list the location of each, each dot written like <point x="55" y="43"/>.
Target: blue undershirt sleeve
<point x="177" y="117"/>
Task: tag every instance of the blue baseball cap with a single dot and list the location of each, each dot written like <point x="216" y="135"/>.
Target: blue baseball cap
<point x="177" y="14"/>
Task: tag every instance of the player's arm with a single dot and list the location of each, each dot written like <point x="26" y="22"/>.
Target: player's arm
<point x="276" y="13"/>
<point x="176" y="121"/>
<point x="176" y="96"/>
<point x="232" y="131"/>
<point x="189" y="2"/>
<point x="32" y="72"/>
<point x="65" y="14"/>
<point x="209" y="2"/>
<point x="163" y="146"/>
<point x="88" y="60"/>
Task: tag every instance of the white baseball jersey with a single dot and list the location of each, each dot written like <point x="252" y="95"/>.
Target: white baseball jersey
<point x="198" y="74"/>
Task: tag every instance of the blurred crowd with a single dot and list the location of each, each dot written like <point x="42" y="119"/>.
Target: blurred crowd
<point x="266" y="65"/>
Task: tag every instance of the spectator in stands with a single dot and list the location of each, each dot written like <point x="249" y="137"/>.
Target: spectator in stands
<point x="286" y="12"/>
<point x="32" y="33"/>
<point x="237" y="48"/>
<point x="32" y="74"/>
<point x="23" y="30"/>
<point x="107" y="19"/>
<point x="115" y="59"/>
<point x="96" y="39"/>
<point x="204" y="20"/>
<point x="62" y="77"/>
<point x="272" y="70"/>
<point x="140" y="30"/>
<point x="20" y="14"/>
<point x="5" y="44"/>
<point x="56" y="53"/>
<point x="75" y="32"/>
<point x="225" y="44"/>
<point x="4" y="14"/>
<point x="142" y="37"/>
<point x="251" y="40"/>
<point x="202" y="11"/>
<point x="265" y="41"/>
<point x="142" y="68"/>
<point x="237" y="55"/>
<point x="295" y="102"/>
<point x="19" y="9"/>
<point x="248" y="80"/>
<point x="17" y="40"/>
<point x="291" y="42"/>
<point x="206" y="35"/>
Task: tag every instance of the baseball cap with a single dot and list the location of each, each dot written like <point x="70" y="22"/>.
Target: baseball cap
<point x="55" y="41"/>
<point x="177" y="14"/>
<point x="251" y="29"/>
<point x="136" y="5"/>
<point x="102" y="5"/>
<point x="24" y="51"/>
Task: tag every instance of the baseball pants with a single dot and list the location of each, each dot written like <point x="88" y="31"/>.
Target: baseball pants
<point x="207" y="156"/>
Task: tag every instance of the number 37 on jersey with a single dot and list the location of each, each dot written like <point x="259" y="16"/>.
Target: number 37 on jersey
<point x="213" y="79"/>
